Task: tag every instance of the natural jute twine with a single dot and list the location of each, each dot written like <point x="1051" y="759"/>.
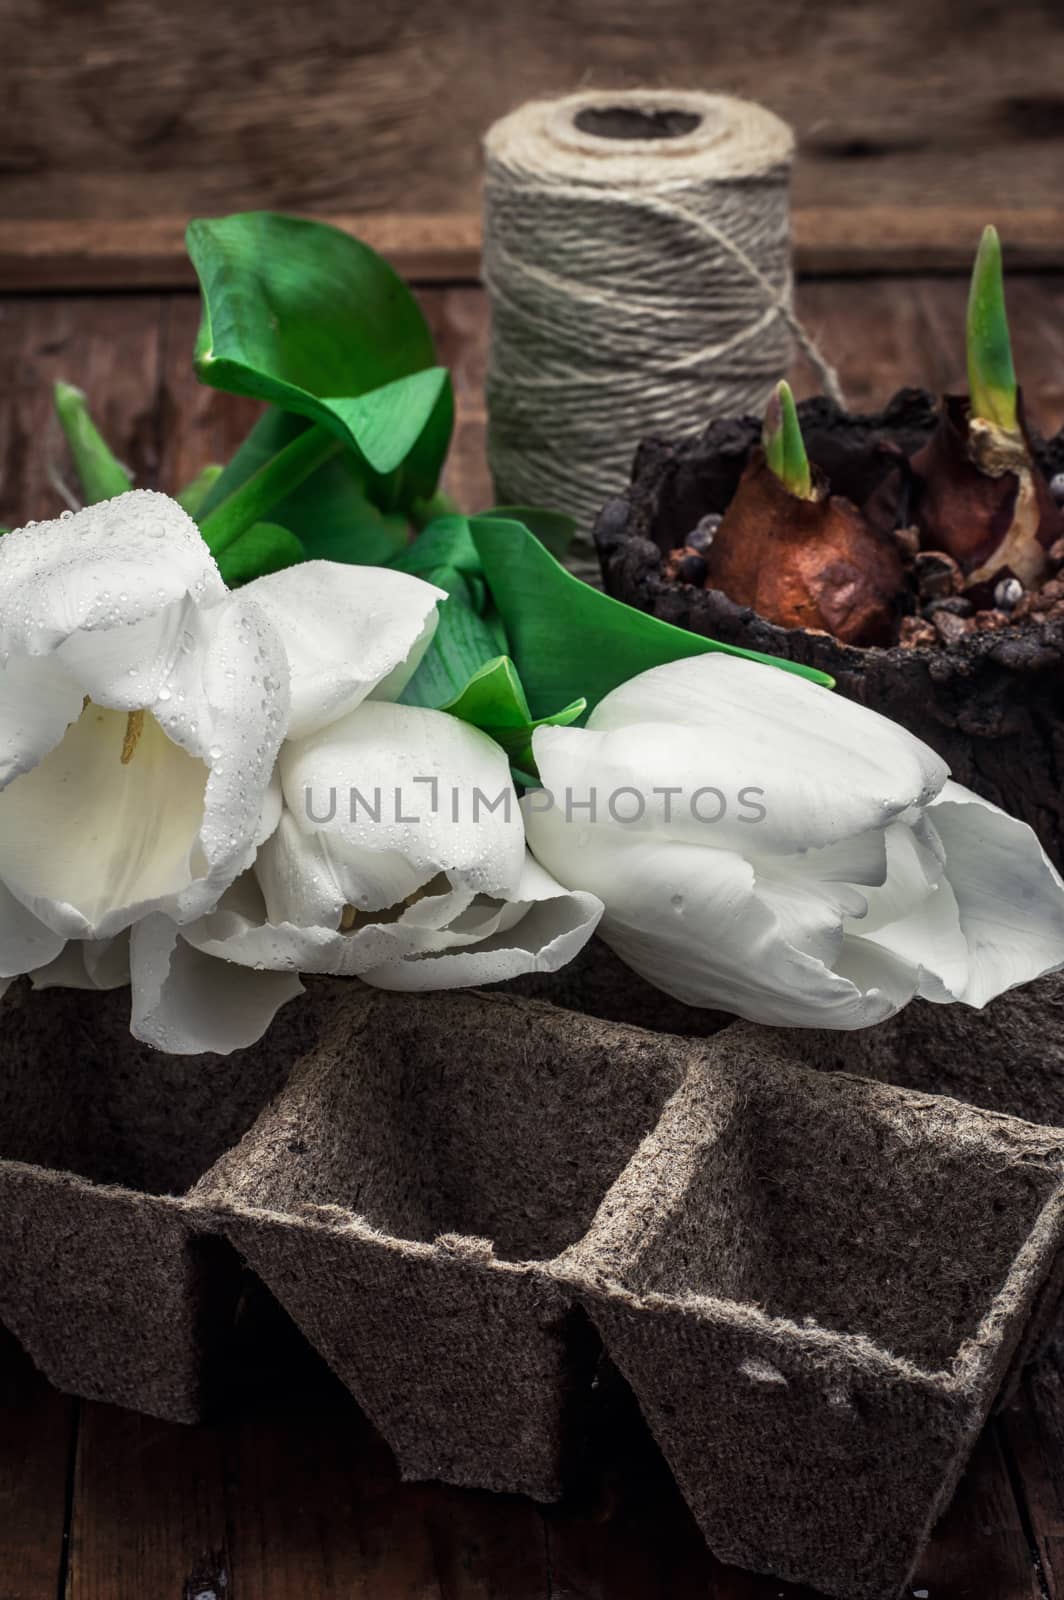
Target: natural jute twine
<point x="637" y="253"/>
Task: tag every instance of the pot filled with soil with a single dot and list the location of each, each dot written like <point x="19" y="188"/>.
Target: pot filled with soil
<point x="915" y="554"/>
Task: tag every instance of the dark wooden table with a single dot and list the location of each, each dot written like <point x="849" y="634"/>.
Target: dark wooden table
<point x="289" y="1495"/>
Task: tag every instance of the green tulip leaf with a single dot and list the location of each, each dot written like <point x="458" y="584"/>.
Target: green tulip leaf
<point x="302" y="315"/>
<point x="101" y="474"/>
<point x="260" y="550"/>
<point x="329" y="511"/>
<point x="462" y="644"/>
<point x="494" y="700"/>
<point x="444" y="552"/>
<point x="568" y="639"/>
<point x="192" y="497"/>
<point x="552" y="528"/>
<point x="416" y="481"/>
<point x="387" y="423"/>
<point x="446" y="542"/>
<point x="440" y="504"/>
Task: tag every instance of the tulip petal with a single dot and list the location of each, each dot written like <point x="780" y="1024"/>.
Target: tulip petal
<point x="107" y="961"/>
<point x="1010" y="898"/>
<point x="913" y="913"/>
<point x="930" y="938"/>
<point x="808" y="916"/>
<point x="348" y="632"/>
<point x="272" y="809"/>
<point x="543" y="929"/>
<point x="186" y="1003"/>
<point x="226" y="702"/>
<point x="913" y="871"/>
<point x="706" y="928"/>
<point x="872" y="970"/>
<point x="67" y="971"/>
<point x="112" y="565"/>
<point x="297" y="882"/>
<point x="87" y="964"/>
<point x="797" y="767"/>
<point x="87" y="834"/>
<point x="242" y="929"/>
<point x="227" y="933"/>
<point x="415" y="782"/>
<point x="860" y="860"/>
<point x="309" y="879"/>
<point x="39" y="699"/>
<point x="25" y="942"/>
<point x="238" y="931"/>
<point x="125" y="668"/>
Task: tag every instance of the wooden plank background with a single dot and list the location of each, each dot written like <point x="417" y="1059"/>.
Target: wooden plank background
<point x="917" y="120"/>
<point x="149" y="253"/>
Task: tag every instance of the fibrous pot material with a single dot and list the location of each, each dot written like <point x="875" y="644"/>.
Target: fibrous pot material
<point x="810" y="1283"/>
<point x="816" y="1283"/>
<point x="105" y="1277"/>
<point x="398" y="1196"/>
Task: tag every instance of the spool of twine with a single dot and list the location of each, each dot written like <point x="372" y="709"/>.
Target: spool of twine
<point x="637" y="255"/>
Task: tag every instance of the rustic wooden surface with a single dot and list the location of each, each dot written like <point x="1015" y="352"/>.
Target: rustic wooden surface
<point x="133" y="108"/>
<point x="78" y="254"/>
<point x="289" y="1495"/>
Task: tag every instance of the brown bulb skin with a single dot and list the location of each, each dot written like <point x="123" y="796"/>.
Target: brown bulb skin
<point x="982" y="499"/>
<point x="806" y="563"/>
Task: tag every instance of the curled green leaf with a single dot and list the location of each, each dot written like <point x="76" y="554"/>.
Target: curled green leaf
<point x="300" y="314"/>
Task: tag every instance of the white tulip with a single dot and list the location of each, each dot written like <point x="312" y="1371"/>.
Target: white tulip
<point x="432" y="891"/>
<point x="766" y="847"/>
<point x="141" y="710"/>
<point x="149" y="833"/>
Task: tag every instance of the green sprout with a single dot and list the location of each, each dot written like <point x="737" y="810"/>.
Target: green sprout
<point x="102" y="476"/>
<point x="991" y="376"/>
<point x="781" y="439"/>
